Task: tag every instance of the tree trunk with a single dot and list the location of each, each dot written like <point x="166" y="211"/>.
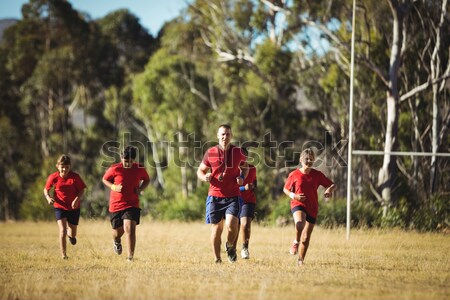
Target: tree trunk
<point x="386" y="175"/>
<point x="434" y="141"/>
<point x="41" y="116"/>
<point x="159" y="173"/>
<point x="182" y="157"/>
<point x="435" y="73"/>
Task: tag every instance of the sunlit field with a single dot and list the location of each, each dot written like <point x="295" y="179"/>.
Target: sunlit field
<point x="175" y="261"/>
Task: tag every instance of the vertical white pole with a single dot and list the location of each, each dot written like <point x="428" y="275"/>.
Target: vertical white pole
<point x="350" y="125"/>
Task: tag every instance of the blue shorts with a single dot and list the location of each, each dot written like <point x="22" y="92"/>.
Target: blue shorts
<point x="247" y="210"/>
<point x="72" y="216"/>
<point x="308" y="217"/>
<point x="208" y="203"/>
<point x="132" y="213"/>
<point x="219" y="207"/>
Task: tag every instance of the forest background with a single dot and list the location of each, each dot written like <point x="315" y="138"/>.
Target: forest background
<point x="277" y="71"/>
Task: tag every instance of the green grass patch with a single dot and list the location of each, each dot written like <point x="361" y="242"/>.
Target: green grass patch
<point x="174" y="260"/>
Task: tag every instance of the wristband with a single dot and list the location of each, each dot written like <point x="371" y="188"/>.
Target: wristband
<point x="113" y="187"/>
<point x="242" y="188"/>
<point x="291" y="195"/>
<point x="242" y="176"/>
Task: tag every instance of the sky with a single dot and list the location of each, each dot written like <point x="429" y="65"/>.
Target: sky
<point x="152" y="14"/>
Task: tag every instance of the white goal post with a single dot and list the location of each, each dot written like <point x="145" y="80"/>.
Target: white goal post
<point x="350" y="133"/>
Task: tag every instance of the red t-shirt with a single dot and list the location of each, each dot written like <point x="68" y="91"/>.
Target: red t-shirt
<point x="307" y="184"/>
<point x="224" y="164"/>
<point x="66" y="189"/>
<point x="249" y="195"/>
<point x="130" y="178"/>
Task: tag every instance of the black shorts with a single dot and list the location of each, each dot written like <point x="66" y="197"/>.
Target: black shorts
<point x="219" y="207"/>
<point x="308" y="217"/>
<point x="72" y="216"/>
<point x="131" y="213"/>
<point x="247" y="210"/>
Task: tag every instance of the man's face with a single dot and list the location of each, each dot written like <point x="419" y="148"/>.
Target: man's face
<point x="224" y="136"/>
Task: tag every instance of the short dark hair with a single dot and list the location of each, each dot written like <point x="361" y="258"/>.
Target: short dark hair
<point x="224" y="126"/>
<point x="129" y="152"/>
<point x="63" y="160"/>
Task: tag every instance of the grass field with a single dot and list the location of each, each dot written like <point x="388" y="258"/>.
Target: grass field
<point x="175" y="261"/>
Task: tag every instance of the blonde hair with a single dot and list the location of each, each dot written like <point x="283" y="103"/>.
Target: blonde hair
<point x="307" y="153"/>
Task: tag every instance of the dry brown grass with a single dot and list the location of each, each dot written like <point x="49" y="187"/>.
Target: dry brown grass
<point x="175" y="261"/>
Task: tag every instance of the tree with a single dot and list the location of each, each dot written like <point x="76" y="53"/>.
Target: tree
<point x="405" y="37"/>
<point x="132" y="41"/>
<point x="56" y="64"/>
<point x="164" y="102"/>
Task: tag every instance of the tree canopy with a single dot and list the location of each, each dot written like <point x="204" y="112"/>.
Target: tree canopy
<point x="277" y="71"/>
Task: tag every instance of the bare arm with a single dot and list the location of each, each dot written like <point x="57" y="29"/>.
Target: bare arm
<point x="286" y="191"/>
<point x="244" y="172"/>
<point x="329" y="190"/>
<point x="299" y="197"/>
<point x="50" y="200"/>
<point x="107" y="183"/>
<point x="202" y="173"/>
<point x="78" y="198"/>
<point x="143" y="186"/>
<point x="110" y="185"/>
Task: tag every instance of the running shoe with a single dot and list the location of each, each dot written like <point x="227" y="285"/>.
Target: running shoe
<point x="117" y="247"/>
<point x="245" y="254"/>
<point x="294" y="248"/>
<point x="73" y="240"/>
<point x="231" y="252"/>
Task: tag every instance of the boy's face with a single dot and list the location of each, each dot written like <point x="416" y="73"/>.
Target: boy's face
<point x="307" y="160"/>
<point x="63" y="169"/>
<point x="127" y="162"/>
